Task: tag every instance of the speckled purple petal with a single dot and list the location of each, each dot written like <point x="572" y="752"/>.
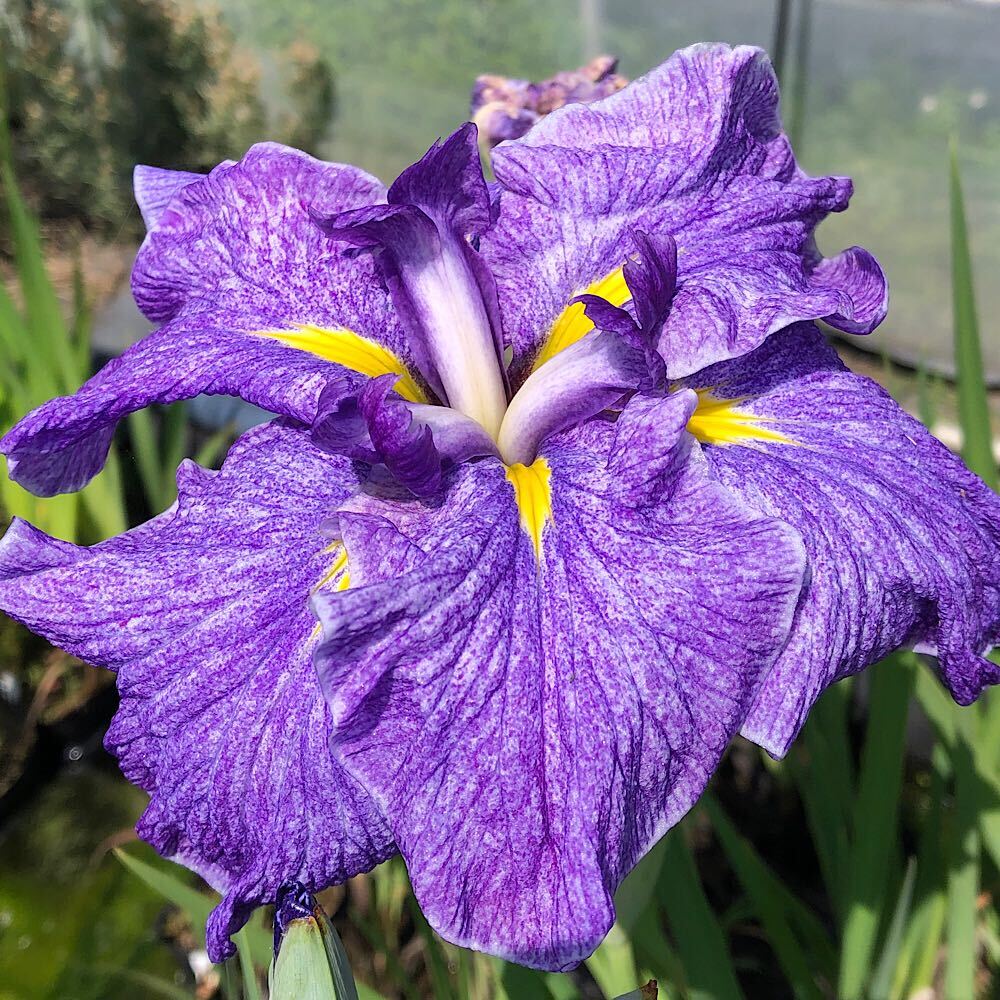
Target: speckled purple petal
<point x="405" y="446"/>
<point x="416" y="442"/>
<point x="531" y="724"/>
<point x="693" y="150"/>
<point x="204" y="614"/>
<point x="233" y="254"/>
<point x="903" y="541"/>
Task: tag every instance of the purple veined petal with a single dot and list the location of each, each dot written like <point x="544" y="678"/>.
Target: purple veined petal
<point x="155" y="188"/>
<point x="594" y="372"/>
<point x="242" y="239"/>
<point x="589" y="376"/>
<point x="530" y="721"/>
<point x="447" y="184"/>
<point x="406" y="447"/>
<point x="416" y="442"/>
<point x="694" y="149"/>
<point x="204" y="614"/>
<point x="340" y="427"/>
<point x="256" y="303"/>
<point x="651" y="448"/>
<point x="456" y="436"/>
<point x="441" y="288"/>
<point x="903" y="541"/>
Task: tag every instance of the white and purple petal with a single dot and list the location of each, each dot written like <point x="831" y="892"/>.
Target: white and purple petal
<point x="441" y="287"/>
<point x="534" y="691"/>
<point x="903" y="541"/>
<point x="593" y="373"/>
<point x="204" y="614"/>
<point x="155" y="188"/>
<point x="693" y="150"/>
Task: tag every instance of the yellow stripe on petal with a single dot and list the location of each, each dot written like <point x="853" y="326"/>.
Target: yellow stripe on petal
<point x="720" y="421"/>
<point x="344" y="347"/>
<point x="337" y="574"/>
<point x="533" y="495"/>
<point x="572" y="322"/>
<point x="337" y="569"/>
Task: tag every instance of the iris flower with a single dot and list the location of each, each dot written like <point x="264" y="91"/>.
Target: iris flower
<point x="505" y="108"/>
<point x="564" y="491"/>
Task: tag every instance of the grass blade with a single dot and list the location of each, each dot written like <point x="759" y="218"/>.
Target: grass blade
<point x="973" y="411"/>
<point x="753" y="876"/>
<point x="701" y="944"/>
<point x="882" y="978"/>
<point x="875" y="818"/>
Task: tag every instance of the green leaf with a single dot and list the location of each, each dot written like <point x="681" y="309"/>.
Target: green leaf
<point x="882" y="978"/>
<point x="613" y="964"/>
<point x="917" y="962"/>
<point x="197" y="905"/>
<point x="302" y="969"/>
<point x="753" y="876"/>
<point x="437" y="963"/>
<point x="825" y="748"/>
<point x="208" y="455"/>
<point x="654" y="952"/>
<point x="175" y="440"/>
<point x="639" y="888"/>
<point x="150" y="985"/>
<point x="824" y="806"/>
<point x="973" y="411"/>
<point x="519" y="983"/>
<point x="251" y="988"/>
<point x="145" y="452"/>
<point x="926" y="397"/>
<point x="50" y="339"/>
<point x="701" y="945"/>
<point x="875" y="818"/>
<point x="963" y="869"/>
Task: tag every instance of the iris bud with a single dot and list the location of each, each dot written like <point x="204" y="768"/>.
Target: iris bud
<point x="309" y="958"/>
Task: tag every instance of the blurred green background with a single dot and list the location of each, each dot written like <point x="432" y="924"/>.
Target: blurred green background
<point x="866" y="863"/>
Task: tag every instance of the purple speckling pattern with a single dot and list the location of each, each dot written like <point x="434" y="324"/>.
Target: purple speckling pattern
<point x="531" y="728"/>
<point x="522" y="721"/>
<point x="204" y="615"/>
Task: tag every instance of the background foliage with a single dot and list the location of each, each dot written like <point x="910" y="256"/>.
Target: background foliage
<point x="92" y="93"/>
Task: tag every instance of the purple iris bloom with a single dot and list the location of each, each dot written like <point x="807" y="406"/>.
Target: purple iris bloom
<point x="505" y="107"/>
<point x="565" y="490"/>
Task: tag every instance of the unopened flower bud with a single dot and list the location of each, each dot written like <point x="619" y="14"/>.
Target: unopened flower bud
<point x="309" y="959"/>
